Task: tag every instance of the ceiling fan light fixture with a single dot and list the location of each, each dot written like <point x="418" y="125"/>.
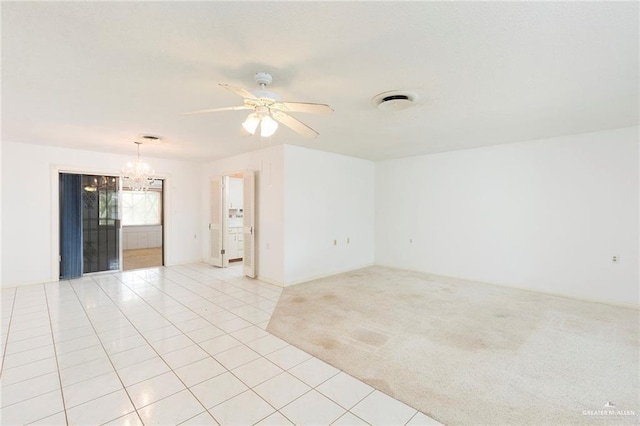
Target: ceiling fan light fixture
<point x="268" y="126"/>
<point x="251" y="123"/>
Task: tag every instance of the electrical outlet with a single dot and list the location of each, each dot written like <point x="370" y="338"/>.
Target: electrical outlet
<point x="615" y="259"/>
<point x="335" y="242"/>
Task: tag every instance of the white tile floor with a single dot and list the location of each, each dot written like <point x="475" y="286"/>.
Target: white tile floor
<point x="178" y="345"/>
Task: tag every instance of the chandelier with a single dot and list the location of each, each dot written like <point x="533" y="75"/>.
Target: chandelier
<point x="137" y="175"/>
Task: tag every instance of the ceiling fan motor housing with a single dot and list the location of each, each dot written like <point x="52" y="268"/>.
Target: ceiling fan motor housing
<point x="265" y="94"/>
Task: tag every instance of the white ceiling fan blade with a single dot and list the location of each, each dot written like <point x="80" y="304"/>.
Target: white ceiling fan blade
<point x="202" y="111"/>
<point x="294" y="124"/>
<point x="240" y="92"/>
<point x="306" y="107"/>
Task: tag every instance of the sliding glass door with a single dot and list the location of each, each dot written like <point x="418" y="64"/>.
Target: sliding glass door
<point x="100" y="225"/>
<point x="88" y="219"/>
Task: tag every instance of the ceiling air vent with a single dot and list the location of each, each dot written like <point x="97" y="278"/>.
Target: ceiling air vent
<point x="149" y="138"/>
<point x="394" y="101"/>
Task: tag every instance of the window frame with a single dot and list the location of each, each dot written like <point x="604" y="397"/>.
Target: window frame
<point x="125" y="206"/>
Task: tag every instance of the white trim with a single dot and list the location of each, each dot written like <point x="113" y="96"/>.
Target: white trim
<point x="166" y="216"/>
<point x="183" y="263"/>
<point x="28" y="283"/>
<point x="317" y="277"/>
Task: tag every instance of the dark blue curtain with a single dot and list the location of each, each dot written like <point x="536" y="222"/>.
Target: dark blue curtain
<point x="70" y="226"/>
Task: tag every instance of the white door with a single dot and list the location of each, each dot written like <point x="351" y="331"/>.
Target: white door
<point x="249" y="222"/>
<point x="215" y="221"/>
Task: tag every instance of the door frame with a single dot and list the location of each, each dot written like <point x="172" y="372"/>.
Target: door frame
<point x="55" y="171"/>
<point x="225" y="222"/>
<point x="220" y="224"/>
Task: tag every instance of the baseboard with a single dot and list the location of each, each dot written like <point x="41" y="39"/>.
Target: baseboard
<point x="270" y="281"/>
<point x="183" y="262"/>
<point x="330" y="274"/>
<point x="28" y="283"/>
<point x="548" y="293"/>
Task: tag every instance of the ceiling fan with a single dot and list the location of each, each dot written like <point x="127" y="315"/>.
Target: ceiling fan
<point x="269" y="109"/>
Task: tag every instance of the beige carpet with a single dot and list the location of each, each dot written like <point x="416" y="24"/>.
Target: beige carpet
<point x="470" y="353"/>
<point x="141" y="258"/>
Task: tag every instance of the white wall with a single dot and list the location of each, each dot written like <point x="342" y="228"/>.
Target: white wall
<point x="1" y="239"/>
<point x="544" y="215"/>
<point x="30" y="207"/>
<point x="141" y="236"/>
<point x="268" y="165"/>
<point x="327" y="197"/>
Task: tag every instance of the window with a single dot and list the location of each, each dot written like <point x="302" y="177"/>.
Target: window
<point x="141" y="208"/>
<point x="107" y="208"/>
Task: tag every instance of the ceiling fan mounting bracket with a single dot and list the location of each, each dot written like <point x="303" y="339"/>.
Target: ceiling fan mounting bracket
<point x="263" y="79"/>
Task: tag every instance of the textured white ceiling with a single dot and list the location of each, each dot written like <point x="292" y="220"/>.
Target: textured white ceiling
<point x="95" y="75"/>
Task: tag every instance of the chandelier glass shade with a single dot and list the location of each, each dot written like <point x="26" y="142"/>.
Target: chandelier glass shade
<point x="251" y="123"/>
<point x="268" y="125"/>
<point x="137" y="175"/>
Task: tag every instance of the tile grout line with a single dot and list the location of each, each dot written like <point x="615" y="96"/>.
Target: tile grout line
<point x="182" y="333"/>
<point x="204" y="298"/>
<point x="173" y="298"/>
<point x="109" y="289"/>
<point x="197" y="344"/>
<point x="6" y="340"/>
<point x="174" y="324"/>
<point x="98" y="286"/>
<point x="261" y="355"/>
<point x="150" y="345"/>
<point x="112" y="293"/>
<point x="34" y="377"/>
<point x="55" y="354"/>
<point x="312" y="388"/>
<point x="229" y="334"/>
<point x="226" y="282"/>
<point x="407" y="422"/>
<point x="108" y="357"/>
<point x="284" y="370"/>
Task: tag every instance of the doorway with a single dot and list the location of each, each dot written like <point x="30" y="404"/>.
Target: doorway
<point x="232" y="230"/>
<point x="234" y="213"/>
<point x="143" y="227"/>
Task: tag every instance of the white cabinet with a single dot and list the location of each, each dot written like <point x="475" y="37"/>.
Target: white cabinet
<point x="240" y="237"/>
<point x="234" y="199"/>
<point x="235" y="246"/>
